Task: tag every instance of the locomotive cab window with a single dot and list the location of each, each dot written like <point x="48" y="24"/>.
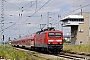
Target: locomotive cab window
<point x="51" y="34"/>
<point x="57" y="35"/>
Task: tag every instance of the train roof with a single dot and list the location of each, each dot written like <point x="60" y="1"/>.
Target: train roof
<point x="47" y="29"/>
<point x="54" y="31"/>
<point x="32" y="36"/>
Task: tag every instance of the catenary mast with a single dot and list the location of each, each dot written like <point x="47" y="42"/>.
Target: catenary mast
<point x="2" y="21"/>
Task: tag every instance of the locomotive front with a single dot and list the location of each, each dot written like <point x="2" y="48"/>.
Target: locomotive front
<point x="55" y="41"/>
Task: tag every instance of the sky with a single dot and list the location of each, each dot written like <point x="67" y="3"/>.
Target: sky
<point x="24" y="17"/>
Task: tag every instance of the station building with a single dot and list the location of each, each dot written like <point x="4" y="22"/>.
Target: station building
<point x="80" y="29"/>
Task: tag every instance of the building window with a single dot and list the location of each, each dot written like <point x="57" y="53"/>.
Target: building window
<point x="81" y="30"/>
<point x="81" y="42"/>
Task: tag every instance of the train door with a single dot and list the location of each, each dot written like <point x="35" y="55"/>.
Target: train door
<point x="32" y="42"/>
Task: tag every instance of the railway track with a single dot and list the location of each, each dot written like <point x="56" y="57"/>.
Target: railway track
<point x="66" y="55"/>
<point x="74" y="55"/>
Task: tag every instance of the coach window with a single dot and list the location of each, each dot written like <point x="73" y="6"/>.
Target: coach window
<point x="26" y="40"/>
<point x="82" y="20"/>
<point x="79" y="20"/>
<point x="70" y="20"/>
<point x="23" y="41"/>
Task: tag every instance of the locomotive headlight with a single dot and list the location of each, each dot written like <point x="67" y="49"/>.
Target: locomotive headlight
<point x="50" y="40"/>
<point x="49" y="43"/>
<point x="59" y="40"/>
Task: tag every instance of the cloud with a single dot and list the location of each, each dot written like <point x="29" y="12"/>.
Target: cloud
<point x="55" y="7"/>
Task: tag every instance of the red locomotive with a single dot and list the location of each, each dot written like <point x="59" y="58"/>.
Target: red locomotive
<point x="48" y="40"/>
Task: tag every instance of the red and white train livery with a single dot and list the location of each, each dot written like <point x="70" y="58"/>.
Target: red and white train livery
<point x="48" y="40"/>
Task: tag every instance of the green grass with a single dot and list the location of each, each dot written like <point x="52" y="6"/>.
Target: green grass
<point x="77" y="48"/>
<point x="10" y="52"/>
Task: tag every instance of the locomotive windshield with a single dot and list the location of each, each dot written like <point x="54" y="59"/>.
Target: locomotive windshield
<point x="57" y="35"/>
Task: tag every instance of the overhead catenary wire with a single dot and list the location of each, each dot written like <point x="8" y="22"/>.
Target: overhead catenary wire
<point x="12" y="4"/>
<point x="35" y="13"/>
<point x="19" y="16"/>
<point x="19" y="6"/>
<point x="22" y="7"/>
<point x="30" y="16"/>
<point x="49" y="0"/>
<point x="32" y="4"/>
<point x="71" y="5"/>
<point x="77" y="9"/>
<point x="37" y="10"/>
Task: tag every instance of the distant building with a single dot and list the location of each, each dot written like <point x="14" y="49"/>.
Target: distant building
<point x="80" y="29"/>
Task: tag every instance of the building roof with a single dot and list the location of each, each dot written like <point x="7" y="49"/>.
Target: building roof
<point x="73" y="16"/>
